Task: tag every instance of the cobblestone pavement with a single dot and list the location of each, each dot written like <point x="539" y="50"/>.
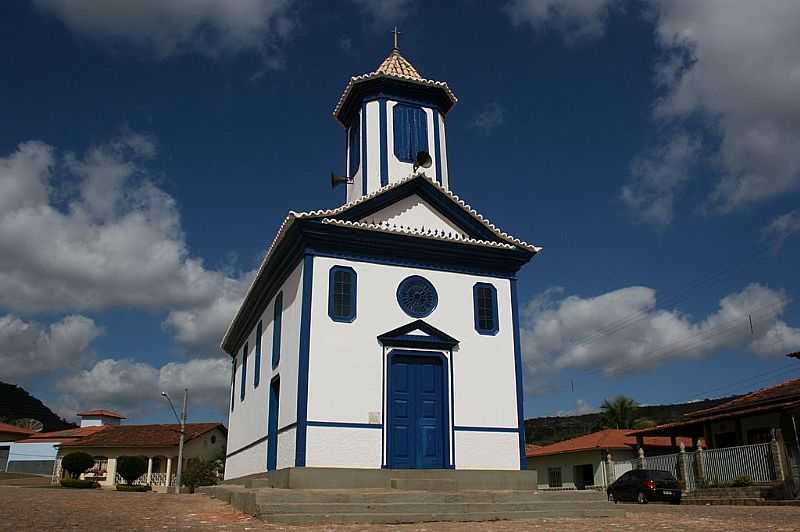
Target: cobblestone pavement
<point x="41" y="509"/>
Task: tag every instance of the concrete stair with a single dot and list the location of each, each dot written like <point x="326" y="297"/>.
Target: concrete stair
<point x="310" y="506"/>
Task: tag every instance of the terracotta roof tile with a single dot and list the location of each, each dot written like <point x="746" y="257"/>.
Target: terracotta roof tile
<point x="604" y="439"/>
<point x="788" y="390"/>
<point x="5" y="427"/>
<point x="102" y="412"/>
<point x="63" y="435"/>
<point x="397" y="65"/>
<point x="143" y="435"/>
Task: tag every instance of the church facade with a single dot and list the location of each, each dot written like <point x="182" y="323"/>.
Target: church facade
<point x="383" y="333"/>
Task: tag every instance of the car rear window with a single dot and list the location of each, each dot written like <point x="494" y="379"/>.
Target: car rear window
<point x="660" y="475"/>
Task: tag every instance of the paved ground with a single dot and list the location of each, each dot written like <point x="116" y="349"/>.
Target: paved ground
<point x="29" y="509"/>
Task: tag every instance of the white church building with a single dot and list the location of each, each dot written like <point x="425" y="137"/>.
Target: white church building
<point x="383" y="333"/>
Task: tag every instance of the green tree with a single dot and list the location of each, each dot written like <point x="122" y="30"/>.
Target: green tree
<point x="200" y="473"/>
<point x="622" y="412"/>
<point x="131" y="467"/>
<point x="77" y="463"/>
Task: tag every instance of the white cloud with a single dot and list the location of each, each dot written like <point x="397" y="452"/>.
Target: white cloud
<point x="575" y="20"/>
<point x="581" y="408"/>
<point x="171" y="27"/>
<point x="782" y="228"/>
<point x="624" y="331"/>
<point x="116" y="241"/>
<point x="658" y="176"/>
<point x="134" y="387"/>
<point x="381" y="13"/>
<point x="737" y="66"/>
<point x="490" y="118"/>
<point x="30" y="348"/>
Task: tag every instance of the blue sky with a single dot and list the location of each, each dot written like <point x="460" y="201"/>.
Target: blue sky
<point x="149" y="152"/>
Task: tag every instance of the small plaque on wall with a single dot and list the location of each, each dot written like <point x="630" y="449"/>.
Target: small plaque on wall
<point x="374" y="417"/>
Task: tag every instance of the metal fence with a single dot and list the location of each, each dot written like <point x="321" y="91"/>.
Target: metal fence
<point x="725" y="464"/>
<point x="156" y="479"/>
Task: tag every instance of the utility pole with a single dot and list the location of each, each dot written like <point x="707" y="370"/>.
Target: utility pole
<point x="182" y="422"/>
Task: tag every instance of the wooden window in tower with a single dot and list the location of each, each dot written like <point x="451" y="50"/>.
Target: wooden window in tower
<point x="243" y="384"/>
<point x="342" y="294"/>
<point x="257" y="361"/>
<point x="354" y="151"/>
<point x="410" y="128"/>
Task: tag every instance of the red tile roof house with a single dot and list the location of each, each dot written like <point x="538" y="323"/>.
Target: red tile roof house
<point x="750" y="420"/>
<point x="8" y="435"/>
<point x="102" y="435"/>
<point x="581" y="463"/>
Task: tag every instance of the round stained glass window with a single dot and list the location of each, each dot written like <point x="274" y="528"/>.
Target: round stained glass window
<point x="417" y="296"/>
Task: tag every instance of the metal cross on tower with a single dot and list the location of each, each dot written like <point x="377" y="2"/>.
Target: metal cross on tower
<point x="396" y="35"/>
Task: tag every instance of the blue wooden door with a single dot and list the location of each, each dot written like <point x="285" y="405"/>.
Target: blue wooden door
<point x="417" y="430"/>
<point x="272" y="425"/>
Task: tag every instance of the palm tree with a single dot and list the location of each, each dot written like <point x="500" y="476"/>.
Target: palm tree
<point x="621" y="412"/>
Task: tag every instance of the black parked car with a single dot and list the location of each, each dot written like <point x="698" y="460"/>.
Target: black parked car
<point x="645" y="485"/>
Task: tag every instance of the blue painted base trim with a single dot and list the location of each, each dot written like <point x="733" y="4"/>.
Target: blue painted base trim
<point x="344" y="425"/>
<point x="245" y="447"/>
<point x="486" y="429"/>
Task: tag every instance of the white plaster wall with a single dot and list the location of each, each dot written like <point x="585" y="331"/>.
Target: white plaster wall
<point x="248" y="421"/>
<point x="286" y="448"/>
<point x="31" y="452"/>
<point x="487" y="450"/>
<point x="443" y="147"/>
<point x="343" y="447"/>
<point x="413" y="211"/>
<point x="246" y="462"/>
<point x="345" y="359"/>
<point x="373" y="146"/>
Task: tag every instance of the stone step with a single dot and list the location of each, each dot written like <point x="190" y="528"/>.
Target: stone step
<point x="427" y="484"/>
<point x="421" y="517"/>
<point x="272" y="495"/>
<point x="265" y="510"/>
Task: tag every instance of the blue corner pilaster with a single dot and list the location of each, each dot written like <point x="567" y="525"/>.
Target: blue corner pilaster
<point x="523" y="461"/>
<point x="302" y="368"/>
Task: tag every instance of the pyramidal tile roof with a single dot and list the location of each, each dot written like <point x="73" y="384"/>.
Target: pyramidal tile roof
<point x="397" y="65"/>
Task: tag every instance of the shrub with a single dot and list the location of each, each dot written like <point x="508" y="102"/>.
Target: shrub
<point x="77" y="463"/>
<point x="131" y="467"/>
<point x="742" y="481"/>
<point x="78" y="483"/>
<point x="200" y="473"/>
<point x="125" y="487"/>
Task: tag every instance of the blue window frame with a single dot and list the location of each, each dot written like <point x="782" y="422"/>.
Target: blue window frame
<point x="355" y="148"/>
<point x="410" y="126"/>
<point x="342" y="294"/>
<point x="276" y="329"/>
<point x="484" y="296"/>
<point x="233" y="383"/>
<point x="243" y="385"/>
<point x="257" y="362"/>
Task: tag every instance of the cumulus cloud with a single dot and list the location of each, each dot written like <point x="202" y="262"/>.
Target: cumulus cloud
<point x="632" y="334"/>
<point x="381" y="13"/>
<point x="171" y="27"/>
<point x="575" y="20"/>
<point x="93" y="232"/>
<point x="29" y="348"/>
<point x="658" y="176"/>
<point x="782" y="228"/>
<point x="133" y="387"/>
<point x="489" y="118"/>
<point x="581" y="408"/>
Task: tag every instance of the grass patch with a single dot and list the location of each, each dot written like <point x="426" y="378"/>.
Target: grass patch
<point x="76" y="483"/>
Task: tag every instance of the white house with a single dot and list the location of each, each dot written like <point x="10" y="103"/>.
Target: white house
<point x="383" y="333"/>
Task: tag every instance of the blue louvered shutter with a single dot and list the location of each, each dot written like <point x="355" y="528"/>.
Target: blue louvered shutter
<point x="355" y="148"/>
<point x="410" y="132"/>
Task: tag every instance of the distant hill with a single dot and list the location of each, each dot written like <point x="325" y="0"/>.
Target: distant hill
<point x="545" y="430"/>
<point x="16" y="403"/>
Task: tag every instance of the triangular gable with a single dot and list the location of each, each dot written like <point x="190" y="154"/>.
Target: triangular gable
<point x="447" y="204"/>
<point x="413" y="212"/>
<point x="418" y="334"/>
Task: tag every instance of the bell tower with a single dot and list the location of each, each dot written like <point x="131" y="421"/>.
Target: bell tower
<point x="395" y="126"/>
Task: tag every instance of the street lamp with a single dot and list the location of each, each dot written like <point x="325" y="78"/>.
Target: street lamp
<point x="182" y="422"/>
